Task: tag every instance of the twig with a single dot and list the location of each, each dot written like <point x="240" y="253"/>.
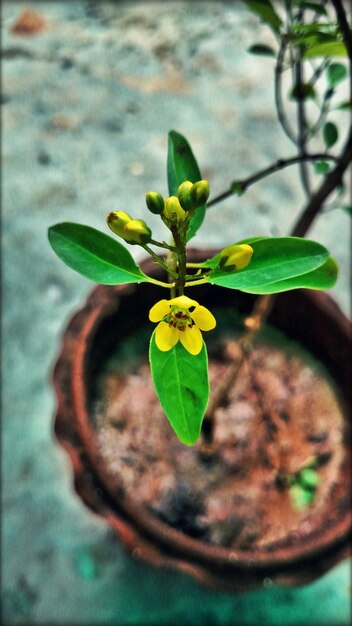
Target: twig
<point x="267" y="171"/>
<point x="278" y="95"/>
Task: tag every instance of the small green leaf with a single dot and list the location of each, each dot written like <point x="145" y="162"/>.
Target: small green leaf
<point x="265" y="11"/>
<point x="321" y="167"/>
<point x="237" y="187"/>
<point x="345" y="106"/>
<point x="300" y="497"/>
<point x="308" y="478"/>
<point x="336" y="72"/>
<point x="327" y="49"/>
<point x="274" y="259"/>
<point x="94" y="254"/>
<point x="182" y="385"/>
<point x="324" y="277"/>
<point x="181" y="166"/>
<point x="347" y="208"/>
<point x="318" y="8"/>
<point x="302" y="92"/>
<point x="262" y="50"/>
<point x="330" y="134"/>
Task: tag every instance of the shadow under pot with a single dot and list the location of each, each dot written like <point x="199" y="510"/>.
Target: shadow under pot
<point x="271" y="502"/>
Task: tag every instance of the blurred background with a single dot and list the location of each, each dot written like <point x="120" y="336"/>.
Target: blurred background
<point x="90" y="91"/>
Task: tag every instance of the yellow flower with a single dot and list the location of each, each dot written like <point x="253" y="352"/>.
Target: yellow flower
<point x="180" y="319"/>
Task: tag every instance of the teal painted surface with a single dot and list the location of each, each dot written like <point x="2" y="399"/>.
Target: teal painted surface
<point x="87" y="105"/>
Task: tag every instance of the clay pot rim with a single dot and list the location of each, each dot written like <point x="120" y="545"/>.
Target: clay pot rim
<point x="176" y="541"/>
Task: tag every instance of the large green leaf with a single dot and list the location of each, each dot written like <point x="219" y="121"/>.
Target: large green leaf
<point x="94" y="254"/>
<point x="181" y="166"/>
<point x="182" y="385"/>
<point x="323" y="277"/>
<point x="328" y="49"/>
<point x="274" y="259"/>
<point x="266" y="12"/>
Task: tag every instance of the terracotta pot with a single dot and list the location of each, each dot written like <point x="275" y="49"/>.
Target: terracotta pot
<point x="310" y="317"/>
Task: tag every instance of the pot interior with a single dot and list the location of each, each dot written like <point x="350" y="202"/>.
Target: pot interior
<point x="135" y="451"/>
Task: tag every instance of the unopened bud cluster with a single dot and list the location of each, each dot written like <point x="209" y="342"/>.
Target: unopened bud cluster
<point x="132" y="231"/>
<point x="173" y="210"/>
<point x="193" y="195"/>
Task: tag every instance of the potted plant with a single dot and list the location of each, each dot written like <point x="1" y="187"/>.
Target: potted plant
<point x="250" y="483"/>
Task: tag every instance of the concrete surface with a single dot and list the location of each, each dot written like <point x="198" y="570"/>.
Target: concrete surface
<point x="87" y="104"/>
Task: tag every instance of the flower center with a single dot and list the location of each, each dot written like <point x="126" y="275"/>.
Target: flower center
<point x="179" y="318"/>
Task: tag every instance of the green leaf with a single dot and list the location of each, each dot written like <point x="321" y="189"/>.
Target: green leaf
<point x="330" y="134"/>
<point x="94" y="254"/>
<point x="300" y="497"/>
<point x="274" y="259"/>
<point x="345" y="106"/>
<point x="319" y="9"/>
<point x="336" y="72"/>
<point x="321" y="167"/>
<point x="237" y="187"/>
<point x="324" y="277"/>
<point x="308" y="478"/>
<point x="302" y="92"/>
<point x="347" y="208"/>
<point x="182" y="385"/>
<point x="265" y="11"/>
<point x="181" y="166"/>
<point x="262" y="50"/>
<point x="328" y="49"/>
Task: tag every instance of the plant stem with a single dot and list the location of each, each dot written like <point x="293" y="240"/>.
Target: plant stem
<point x="194" y="283"/>
<point x="160" y="283"/>
<point x="302" y="125"/>
<point x="267" y="171"/>
<point x="181" y="259"/>
<point x="160" y="261"/>
<point x="278" y="95"/>
<point x="162" y="244"/>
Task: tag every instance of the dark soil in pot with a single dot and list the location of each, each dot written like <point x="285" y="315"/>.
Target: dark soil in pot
<point x="228" y="518"/>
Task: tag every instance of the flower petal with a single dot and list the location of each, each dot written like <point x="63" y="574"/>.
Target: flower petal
<point x="166" y="337"/>
<point x="192" y="340"/>
<point x="159" y="310"/>
<point x="203" y="318"/>
<point x="184" y="302"/>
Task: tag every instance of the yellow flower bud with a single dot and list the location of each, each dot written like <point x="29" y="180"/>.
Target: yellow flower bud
<point x="200" y="193"/>
<point x="117" y="220"/>
<point x="184" y="195"/>
<point x="137" y="232"/>
<point x="235" y="257"/>
<point x="173" y="212"/>
<point x="155" y="202"/>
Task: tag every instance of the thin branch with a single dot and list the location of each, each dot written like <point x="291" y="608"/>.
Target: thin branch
<point x="278" y="95"/>
<point x="160" y="261"/>
<point x="331" y="181"/>
<point x="267" y="171"/>
<point x="302" y="127"/>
